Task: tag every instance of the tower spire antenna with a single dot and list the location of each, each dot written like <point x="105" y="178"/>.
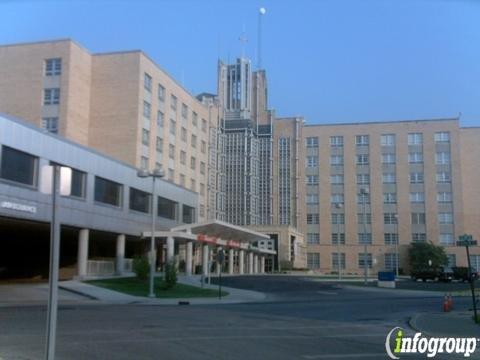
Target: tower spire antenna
<point x="262" y="11"/>
<point x="243" y="40"/>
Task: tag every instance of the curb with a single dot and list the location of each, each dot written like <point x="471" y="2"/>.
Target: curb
<point x="77" y="292"/>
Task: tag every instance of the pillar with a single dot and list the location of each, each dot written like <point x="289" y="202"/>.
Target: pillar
<point x="82" y="256"/>
<point x="255" y="264"/>
<point x="170" y="249"/>
<point x="241" y="262"/>
<point x="205" y="256"/>
<point x="262" y="264"/>
<point x="231" y="260"/>
<point x="250" y="262"/>
<point x="120" y="255"/>
<point x="188" y="258"/>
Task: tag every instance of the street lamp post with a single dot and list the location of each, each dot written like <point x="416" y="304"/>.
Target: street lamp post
<point x="364" y="192"/>
<point x="397" y="240"/>
<point x="157" y="173"/>
<point x="338" y="206"/>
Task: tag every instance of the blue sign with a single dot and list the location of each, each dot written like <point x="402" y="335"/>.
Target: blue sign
<point x="386" y="276"/>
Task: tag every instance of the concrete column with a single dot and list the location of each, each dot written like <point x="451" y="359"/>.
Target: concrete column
<point x="231" y="258"/>
<point x="82" y="256"/>
<point x="255" y="264"/>
<point x="241" y="262"/>
<point x="205" y="256"/>
<point x="262" y="264"/>
<point x="170" y="249"/>
<point x="250" y="262"/>
<point x="188" y="258"/>
<point x="120" y="255"/>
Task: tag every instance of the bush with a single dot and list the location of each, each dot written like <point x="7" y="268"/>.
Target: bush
<point x="141" y="267"/>
<point x="420" y="253"/>
<point x="170" y="278"/>
<point x="286" y="265"/>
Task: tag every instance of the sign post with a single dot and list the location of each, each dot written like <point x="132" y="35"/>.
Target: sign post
<point x="467" y="240"/>
<point x="220" y="261"/>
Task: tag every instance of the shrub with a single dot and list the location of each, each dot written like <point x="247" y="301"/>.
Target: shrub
<point x="170" y="278"/>
<point x="286" y="265"/>
<point x="420" y="253"/>
<point x="141" y="267"/>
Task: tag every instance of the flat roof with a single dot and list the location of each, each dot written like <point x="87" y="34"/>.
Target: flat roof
<point x="384" y="122"/>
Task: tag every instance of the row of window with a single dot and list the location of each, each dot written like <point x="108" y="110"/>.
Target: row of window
<point x="417" y="218"/>
<point x="388" y="198"/>
<point x="387" y="178"/>
<point x="385" y="139"/>
<point x="445" y="239"/>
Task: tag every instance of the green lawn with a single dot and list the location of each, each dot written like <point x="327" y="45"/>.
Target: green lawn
<point x="136" y="287"/>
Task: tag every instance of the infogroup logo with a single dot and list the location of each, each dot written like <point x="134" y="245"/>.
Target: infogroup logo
<point x="397" y="343"/>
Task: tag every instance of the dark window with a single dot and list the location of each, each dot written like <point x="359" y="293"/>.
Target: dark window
<point x="139" y="200"/>
<point x="78" y="183"/>
<point x="108" y="192"/>
<point x="188" y="215"/>
<point x="167" y="208"/>
<point x="18" y="166"/>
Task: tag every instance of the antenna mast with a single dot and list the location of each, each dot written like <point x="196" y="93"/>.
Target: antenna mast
<point x="262" y="11"/>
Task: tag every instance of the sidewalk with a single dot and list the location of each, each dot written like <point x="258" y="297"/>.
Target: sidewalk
<point x="453" y="324"/>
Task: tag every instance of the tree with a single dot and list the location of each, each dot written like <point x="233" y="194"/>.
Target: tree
<point x="419" y="253"/>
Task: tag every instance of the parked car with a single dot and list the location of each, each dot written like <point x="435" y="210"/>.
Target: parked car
<point x="460" y="273"/>
<point x="442" y="273"/>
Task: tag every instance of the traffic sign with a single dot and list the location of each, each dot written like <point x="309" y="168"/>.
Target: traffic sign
<point x="466" y="240"/>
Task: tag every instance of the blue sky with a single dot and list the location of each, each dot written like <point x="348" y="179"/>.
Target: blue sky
<point x="329" y="61"/>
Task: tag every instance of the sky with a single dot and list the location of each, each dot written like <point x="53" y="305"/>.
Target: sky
<point x="330" y="61"/>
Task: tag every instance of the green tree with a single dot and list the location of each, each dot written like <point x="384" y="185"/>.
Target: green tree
<point x="419" y="253"/>
<point x="170" y="279"/>
<point x="141" y="267"/>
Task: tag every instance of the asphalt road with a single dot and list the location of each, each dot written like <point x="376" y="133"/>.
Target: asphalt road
<point x="300" y="320"/>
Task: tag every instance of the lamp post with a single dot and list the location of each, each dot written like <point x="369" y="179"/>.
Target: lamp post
<point x="397" y="240"/>
<point x="338" y="206"/>
<point x="364" y="193"/>
<point x="157" y="173"/>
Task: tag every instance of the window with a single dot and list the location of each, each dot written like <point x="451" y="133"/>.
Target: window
<point x="442" y="158"/>
<point x="419" y="237"/>
<point x="336" y="237"/>
<point x="363" y="198"/>
<point x="362" y="159"/>
<point x="336" y="160"/>
<point x="53" y="67"/>
<point x="202" y="167"/>
<point x="108" y="192"/>
<point x="202" y="210"/>
<point x="336" y="179"/>
<point x="193" y="140"/>
<point x="415" y="158"/>
<point x="173" y="127"/>
<point x="182" y="180"/>
<point x="390" y="238"/>
<point x="311" y="199"/>
<point x="171" y="174"/>
<point x="417" y="197"/>
<point x="312" y="179"/>
<point x="18" y="166"/>
<point x="51" y="96"/>
<point x="444" y="197"/>
<point x="364" y="260"/>
<point x="78" y="185"/>
<point x="171" y="151"/>
<point x="313" y="238"/>
<point x="336" y="140"/>
<point x="147" y="109"/>
<point x="313" y="219"/>
<point x="337" y="198"/>
<point x="184" y="111"/>
<point x="203" y="147"/>
<point x="145" y="137"/>
<point x="159" y="144"/>
<point x="202" y="189"/>
<point x="388" y="178"/>
<point x="445" y="218"/>
<point x="193" y="163"/>
<point x="416" y="178"/>
<point x="451" y="260"/>
<point x="183" y="134"/>
<point x="313" y="261"/>
<point x="173" y="102"/>
<point x="193" y="185"/>
<point x="161" y="93"/>
<point x="367" y="217"/>
<point x="338" y="260"/>
<point x="418" y="218"/>
<point x="387" y="140"/>
<point x="160" y="118"/>
<point x="363" y="179"/>
<point x="446" y="239"/>
<point x="50" y="124"/>
<point x="361" y="140"/>
<point x="194" y="118"/>
<point x="139" y="200"/>
<point x="312" y="161"/>
<point x="143" y="162"/>
<point x="388" y="158"/>
<point x="442" y="137"/>
<point x="389" y="198"/>
<point x="415" y="139"/>
<point x="390" y="261"/>
<point x="443" y="177"/>
<point x="183" y="157"/>
<point x="188" y="214"/>
<point x="338" y="219"/>
<point x="204" y="125"/>
<point x="390" y="218"/>
<point x="311" y="142"/>
<point x="475" y="262"/>
<point x="167" y="208"/>
<point x="147" y="82"/>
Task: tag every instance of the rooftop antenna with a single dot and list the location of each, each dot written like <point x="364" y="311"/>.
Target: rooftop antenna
<point x="243" y="40"/>
<point x="262" y="11"/>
